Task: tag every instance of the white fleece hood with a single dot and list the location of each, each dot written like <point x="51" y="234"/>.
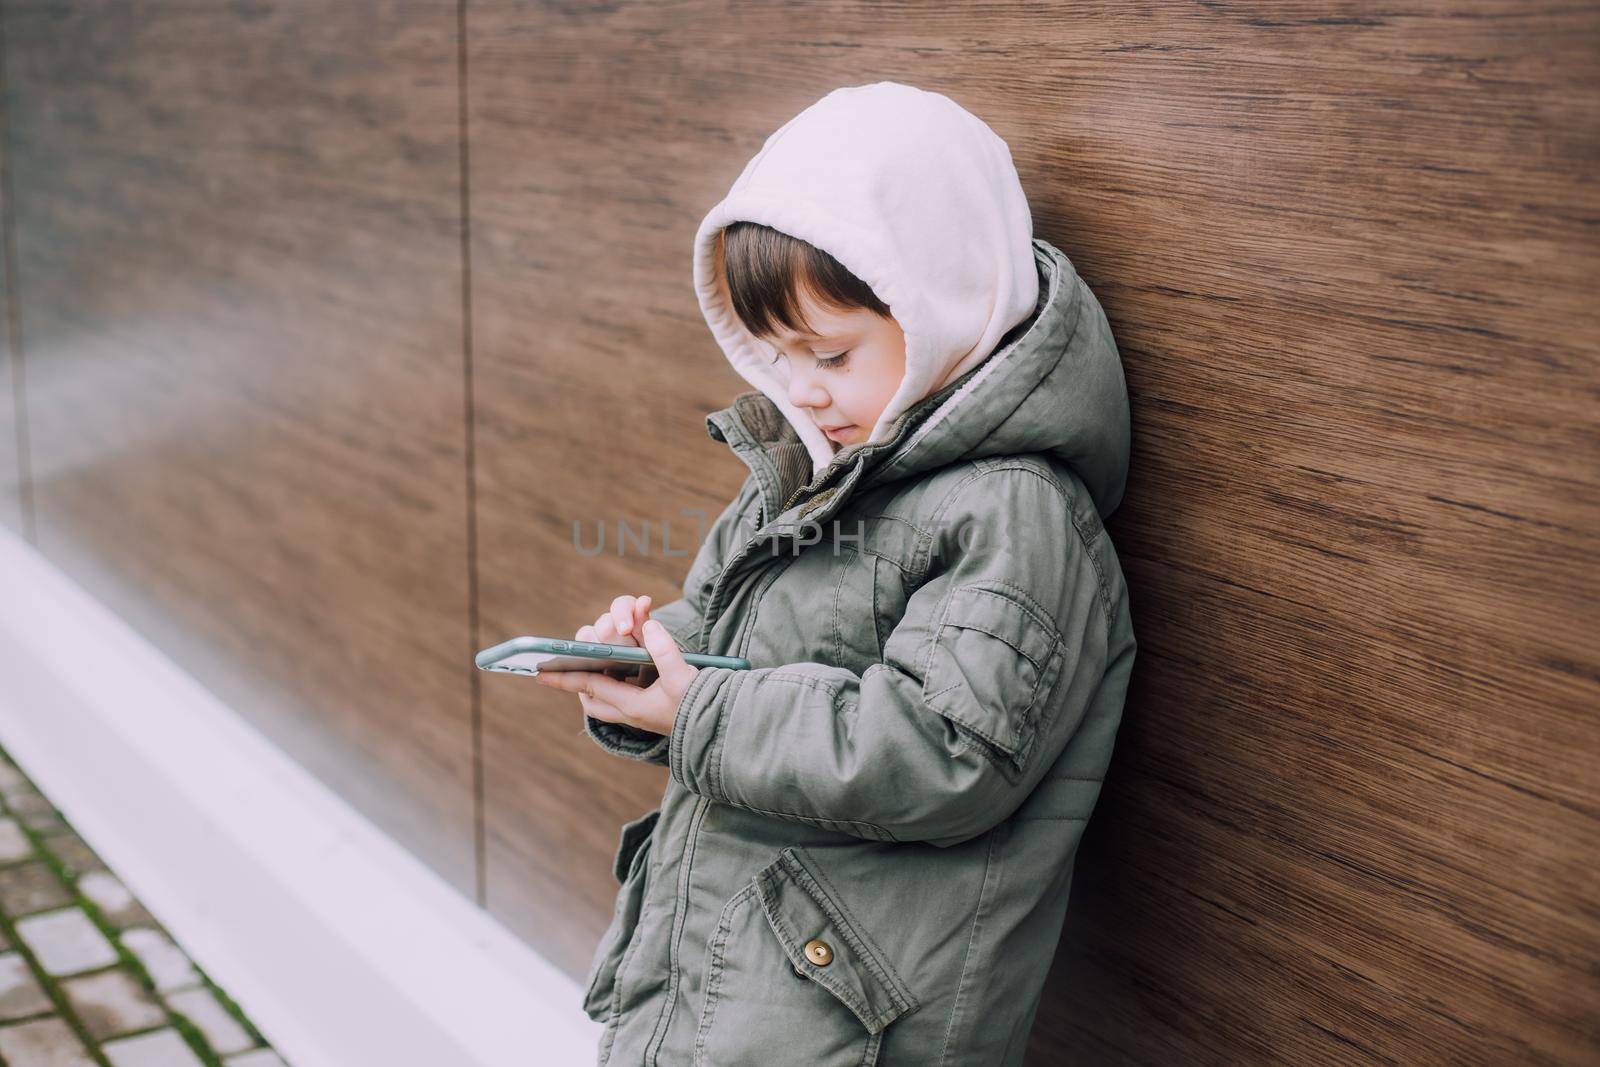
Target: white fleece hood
<point x="914" y="195"/>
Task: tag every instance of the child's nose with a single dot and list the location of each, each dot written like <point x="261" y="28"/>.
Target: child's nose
<point x="806" y="391"/>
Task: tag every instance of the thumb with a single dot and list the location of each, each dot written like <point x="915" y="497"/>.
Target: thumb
<point x="669" y="660"/>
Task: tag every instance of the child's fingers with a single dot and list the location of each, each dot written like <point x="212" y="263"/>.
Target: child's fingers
<point x="571" y="681"/>
<point x="629" y="613"/>
<point x="606" y="630"/>
<point x="667" y="656"/>
<point x="619" y="695"/>
<point x="602" y="696"/>
<point x="622" y="613"/>
<point x="620" y="625"/>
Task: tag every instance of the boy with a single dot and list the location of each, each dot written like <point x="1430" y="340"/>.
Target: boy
<point x="864" y="851"/>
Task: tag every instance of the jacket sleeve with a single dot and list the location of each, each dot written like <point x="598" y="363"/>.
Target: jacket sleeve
<point x="982" y="682"/>
<point x="683" y="619"/>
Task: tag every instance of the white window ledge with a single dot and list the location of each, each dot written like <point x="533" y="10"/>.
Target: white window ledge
<point x="340" y="945"/>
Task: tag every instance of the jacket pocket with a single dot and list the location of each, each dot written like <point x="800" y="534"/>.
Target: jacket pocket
<point x="630" y="867"/>
<point x="792" y="978"/>
<point x="991" y="668"/>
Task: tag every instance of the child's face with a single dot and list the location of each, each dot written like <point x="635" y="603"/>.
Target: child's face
<point x="851" y="391"/>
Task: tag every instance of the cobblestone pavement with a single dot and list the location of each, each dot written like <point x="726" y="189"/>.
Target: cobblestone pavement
<point x="87" y="976"/>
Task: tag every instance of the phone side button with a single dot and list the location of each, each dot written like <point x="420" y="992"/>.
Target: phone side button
<point x="559" y="646"/>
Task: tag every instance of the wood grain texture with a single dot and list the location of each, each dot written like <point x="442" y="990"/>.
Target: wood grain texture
<point x="1349" y="256"/>
<point x="238" y="252"/>
<point x="594" y="372"/>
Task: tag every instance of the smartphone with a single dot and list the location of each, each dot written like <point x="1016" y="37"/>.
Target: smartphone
<point x="530" y="655"/>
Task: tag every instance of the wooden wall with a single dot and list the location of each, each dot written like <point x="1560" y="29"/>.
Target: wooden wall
<point x="238" y="277"/>
<point x="320" y="416"/>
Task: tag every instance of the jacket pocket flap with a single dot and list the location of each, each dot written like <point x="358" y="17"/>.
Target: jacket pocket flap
<point x="632" y="836"/>
<point x="800" y="909"/>
<point x="992" y="664"/>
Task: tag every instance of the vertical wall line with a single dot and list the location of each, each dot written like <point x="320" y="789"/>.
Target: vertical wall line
<point x="13" y="309"/>
<point x="478" y="838"/>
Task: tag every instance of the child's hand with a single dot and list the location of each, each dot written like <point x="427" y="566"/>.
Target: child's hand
<point x="648" y="705"/>
<point x="618" y="626"/>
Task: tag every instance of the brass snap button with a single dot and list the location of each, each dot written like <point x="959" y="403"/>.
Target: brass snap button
<point x="819" y="952"/>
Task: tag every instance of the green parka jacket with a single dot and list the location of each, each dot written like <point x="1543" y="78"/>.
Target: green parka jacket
<point x="864" y="849"/>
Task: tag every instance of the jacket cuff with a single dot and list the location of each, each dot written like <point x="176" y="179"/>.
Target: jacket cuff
<point x="620" y="739"/>
<point x="692" y="754"/>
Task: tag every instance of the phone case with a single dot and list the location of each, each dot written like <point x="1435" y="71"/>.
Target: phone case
<point x="529" y="655"/>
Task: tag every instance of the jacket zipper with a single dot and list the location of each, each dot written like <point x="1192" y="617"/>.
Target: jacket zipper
<point x="760" y="456"/>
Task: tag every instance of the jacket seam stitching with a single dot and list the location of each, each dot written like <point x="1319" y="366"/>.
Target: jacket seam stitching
<point x="923" y="537"/>
<point x="680" y="921"/>
<point x="1041" y="615"/>
<point x="635" y="938"/>
<point x="1077" y="526"/>
<point x="924" y="564"/>
<point x="826" y="824"/>
<point x="678" y="737"/>
<point x="708" y="1009"/>
<point x="1101" y="589"/>
<point x="876" y="608"/>
<point x="966" y="959"/>
<point x="826" y="688"/>
<point x="719" y="734"/>
<point x="845" y="572"/>
<point x="998" y="636"/>
<point x="1014" y="750"/>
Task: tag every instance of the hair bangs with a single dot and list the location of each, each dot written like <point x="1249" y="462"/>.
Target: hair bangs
<point x="767" y="269"/>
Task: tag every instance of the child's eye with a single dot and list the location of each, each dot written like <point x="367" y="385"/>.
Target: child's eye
<point x="826" y="364"/>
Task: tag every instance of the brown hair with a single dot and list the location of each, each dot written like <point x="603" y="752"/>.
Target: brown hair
<point x="766" y="268"/>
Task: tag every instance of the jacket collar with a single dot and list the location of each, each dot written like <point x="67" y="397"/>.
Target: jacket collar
<point x="760" y="435"/>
